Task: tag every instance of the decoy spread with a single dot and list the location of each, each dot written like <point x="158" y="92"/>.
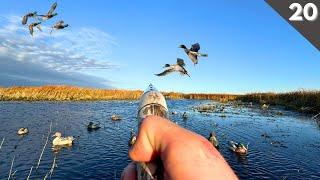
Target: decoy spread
<point x="193" y="52"/>
<point x="179" y="67"/>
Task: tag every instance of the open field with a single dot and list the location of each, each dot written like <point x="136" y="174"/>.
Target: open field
<point x="302" y="101"/>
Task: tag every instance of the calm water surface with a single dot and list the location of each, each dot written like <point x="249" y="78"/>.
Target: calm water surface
<point x="280" y="146"/>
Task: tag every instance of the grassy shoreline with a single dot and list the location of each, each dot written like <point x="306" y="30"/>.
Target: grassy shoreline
<point x="302" y="101"/>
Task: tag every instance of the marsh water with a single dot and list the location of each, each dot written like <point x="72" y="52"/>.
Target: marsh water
<point x="283" y="146"/>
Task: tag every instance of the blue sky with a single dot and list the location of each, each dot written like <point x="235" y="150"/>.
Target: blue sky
<point x="121" y="44"/>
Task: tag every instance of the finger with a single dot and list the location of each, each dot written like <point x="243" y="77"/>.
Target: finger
<point x="129" y="173"/>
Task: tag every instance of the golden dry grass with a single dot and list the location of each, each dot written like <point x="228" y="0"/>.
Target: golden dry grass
<point x="303" y="101"/>
<point x="71" y="93"/>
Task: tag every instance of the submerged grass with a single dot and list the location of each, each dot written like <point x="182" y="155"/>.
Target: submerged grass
<point x="303" y="101"/>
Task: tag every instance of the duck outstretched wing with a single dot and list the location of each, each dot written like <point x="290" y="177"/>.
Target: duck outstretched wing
<point x="25" y="20"/>
<point x="53" y="7"/>
<point x="31" y="29"/>
<point x="180" y="62"/>
<point x="195" y="47"/>
<point x="168" y="71"/>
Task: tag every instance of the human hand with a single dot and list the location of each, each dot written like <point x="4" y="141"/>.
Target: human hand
<point x="184" y="154"/>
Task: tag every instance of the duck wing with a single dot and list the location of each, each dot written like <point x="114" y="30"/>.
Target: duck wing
<point x="53" y="7"/>
<point x="60" y="23"/>
<point x="180" y="62"/>
<point x="194" y="57"/>
<point x="31" y="29"/>
<point x="39" y="27"/>
<point x="25" y="20"/>
<point x="167" y="71"/>
<point x="195" y="47"/>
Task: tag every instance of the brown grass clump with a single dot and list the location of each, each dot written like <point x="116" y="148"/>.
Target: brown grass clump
<point x="303" y="101"/>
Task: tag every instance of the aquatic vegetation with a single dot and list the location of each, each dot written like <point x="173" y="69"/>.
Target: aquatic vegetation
<point x="302" y="101"/>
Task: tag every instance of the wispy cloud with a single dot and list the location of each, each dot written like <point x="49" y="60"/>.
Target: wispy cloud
<point x="70" y="51"/>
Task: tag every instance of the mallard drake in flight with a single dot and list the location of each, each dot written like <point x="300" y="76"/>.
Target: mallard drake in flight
<point x="32" y="25"/>
<point x="193" y="52"/>
<point x="50" y="13"/>
<point x="179" y="67"/>
<point x="25" y="17"/>
<point x="59" y="25"/>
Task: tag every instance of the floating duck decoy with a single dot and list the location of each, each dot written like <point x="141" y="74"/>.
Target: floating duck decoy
<point x="62" y="141"/>
<point x="213" y="139"/>
<point x="25" y="17"/>
<point x="32" y="25"/>
<point x="59" y="25"/>
<point x="50" y="13"/>
<point x="238" y="148"/>
<point x="184" y="116"/>
<point x="179" y="67"/>
<point x="133" y="138"/>
<point x="193" y="52"/>
<point x="115" y="118"/>
<point x="93" y="126"/>
<point x="23" y="131"/>
<point x="174" y="112"/>
<point x="264" y="106"/>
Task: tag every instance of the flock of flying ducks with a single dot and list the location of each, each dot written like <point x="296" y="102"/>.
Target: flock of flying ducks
<point x="40" y="18"/>
<point x="193" y="53"/>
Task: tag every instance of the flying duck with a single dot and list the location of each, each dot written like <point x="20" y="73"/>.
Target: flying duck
<point x="25" y="17"/>
<point x="62" y="141"/>
<point x="50" y="14"/>
<point x="193" y="52"/>
<point x="23" y="131"/>
<point x="59" y="25"/>
<point x="32" y="25"/>
<point x="179" y="67"/>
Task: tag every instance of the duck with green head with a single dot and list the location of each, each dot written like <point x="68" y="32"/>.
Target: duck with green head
<point x="193" y="52"/>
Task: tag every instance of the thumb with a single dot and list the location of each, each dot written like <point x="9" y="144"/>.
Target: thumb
<point x="149" y="142"/>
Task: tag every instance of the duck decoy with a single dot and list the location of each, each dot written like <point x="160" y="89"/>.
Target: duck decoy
<point x="133" y="138"/>
<point x="213" y="139"/>
<point x="50" y="13"/>
<point x="62" y="141"/>
<point x="174" y="112"/>
<point x="23" y="131"/>
<point x="32" y="25"/>
<point x="115" y="118"/>
<point x="264" y="107"/>
<point x="238" y="148"/>
<point x="193" y="52"/>
<point x="93" y="126"/>
<point x="31" y="14"/>
<point x="184" y="116"/>
<point x="59" y="25"/>
<point x="179" y="67"/>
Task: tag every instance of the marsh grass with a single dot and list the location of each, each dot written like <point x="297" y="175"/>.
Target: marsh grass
<point x="302" y="101"/>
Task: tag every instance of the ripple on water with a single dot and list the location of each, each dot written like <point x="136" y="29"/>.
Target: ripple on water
<point x="288" y="151"/>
